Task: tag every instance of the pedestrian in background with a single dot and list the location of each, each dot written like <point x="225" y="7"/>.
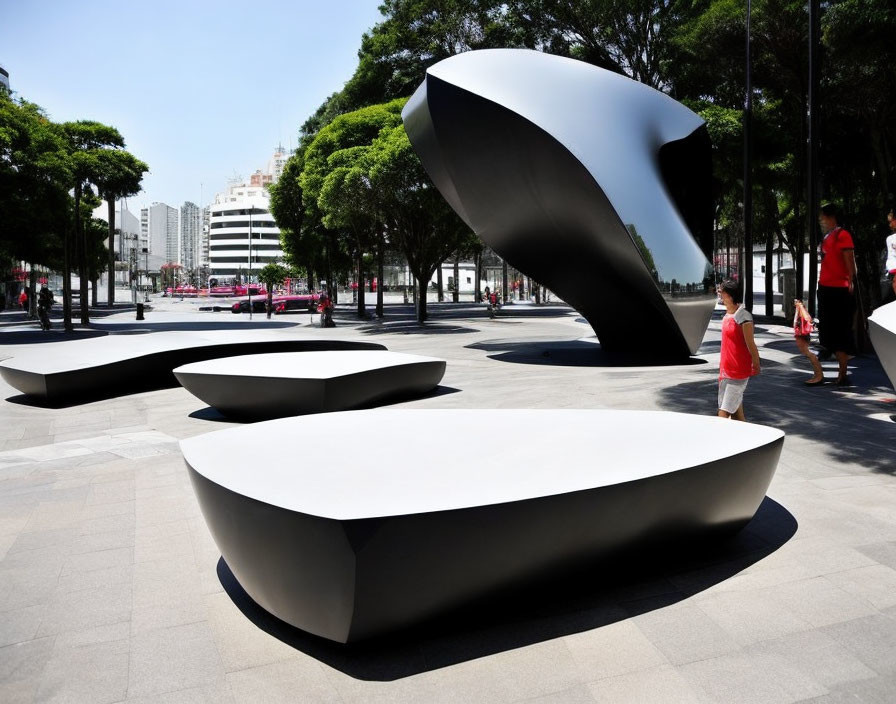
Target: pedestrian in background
<point x="802" y="331"/>
<point x="890" y="264"/>
<point x="740" y="357"/>
<point x="836" y="290"/>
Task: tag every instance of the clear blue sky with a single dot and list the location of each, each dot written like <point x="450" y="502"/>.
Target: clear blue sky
<point x="200" y="90"/>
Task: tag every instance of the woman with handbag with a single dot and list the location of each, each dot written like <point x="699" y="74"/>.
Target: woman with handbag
<point x="802" y="329"/>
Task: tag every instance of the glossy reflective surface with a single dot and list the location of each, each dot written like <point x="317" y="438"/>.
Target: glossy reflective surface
<point x="595" y="185"/>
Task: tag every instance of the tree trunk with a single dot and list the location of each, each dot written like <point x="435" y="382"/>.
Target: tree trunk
<point x="504" y="281"/>
<point x="769" y="259"/>
<point x="360" y="289"/>
<point x="81" y="235"/>
<point x="477" y="261"/>
<point x="439" y="289"/>
<point x="422" y="285"/>
<point x="67" y="277"/>
<point x="94" y="292"/>
<point x="110" y="199"/>
<point x="32" y="286"/>
<point x="380" y="267"/>
<point x="456" y="293"/>
<point x="269" y="306"/>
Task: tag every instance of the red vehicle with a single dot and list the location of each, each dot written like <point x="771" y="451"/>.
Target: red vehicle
<point x="282" y="304"/>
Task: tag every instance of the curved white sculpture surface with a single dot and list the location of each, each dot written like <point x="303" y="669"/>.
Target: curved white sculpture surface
<point x="116" y="364"/>
<point x="293" y="383"/>
<point x="348" y="546"/>
<point x="597" y="186"/>
<point x="882" y="329"/>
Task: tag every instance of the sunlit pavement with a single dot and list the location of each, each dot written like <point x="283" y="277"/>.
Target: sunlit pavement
<point x="111" y="588"/>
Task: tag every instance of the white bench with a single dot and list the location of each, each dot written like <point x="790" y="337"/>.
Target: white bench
<point x="391" y="516"/>
<point x="288" y="383"/>
<point x="113" y="365"/>
<point x="882" y="329"/>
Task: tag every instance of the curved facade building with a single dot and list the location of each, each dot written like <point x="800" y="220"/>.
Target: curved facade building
<point x="595" y="185"/>
<point x="232" y="250"/>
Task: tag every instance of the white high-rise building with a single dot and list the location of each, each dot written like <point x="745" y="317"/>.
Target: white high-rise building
<point x="190" y="238"/>
<point x="243" y="236"/>
<point x="162" y="231"/>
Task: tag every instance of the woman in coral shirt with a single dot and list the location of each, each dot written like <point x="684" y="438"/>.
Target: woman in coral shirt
<point x="836" y="299"/>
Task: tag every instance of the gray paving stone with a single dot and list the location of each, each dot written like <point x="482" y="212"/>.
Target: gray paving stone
<point x="659" y="684"/>
<point x="139" y="562"/>
<point x="280" y="681"/>
<point x="21" y="666"/>
<point x="683" y="633"/>
<point x="172" y="659"/>
<point x="749" y="678"/>
<point x="871" y="639"/>
<point x="96" y="673"/>
<point x="614" y="649"/>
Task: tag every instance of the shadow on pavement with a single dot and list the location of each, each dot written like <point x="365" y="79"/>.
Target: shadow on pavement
<point x="212" y="414"/>
<point x="37" y="336"/>
<point x="568" y="353"/>
<point x="607" y="593"/>
<point x="194" y="325"/>
<point x="839" y="419"/>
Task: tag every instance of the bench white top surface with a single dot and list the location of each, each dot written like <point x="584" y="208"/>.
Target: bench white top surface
<point x="58" y="357"/>
<point x="303" y="365"/>
<point x="885" y="316"/>
<point x="386" y="462"/>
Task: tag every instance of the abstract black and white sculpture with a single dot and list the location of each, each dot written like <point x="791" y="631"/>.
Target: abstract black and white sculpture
<point x="595" y="185"/>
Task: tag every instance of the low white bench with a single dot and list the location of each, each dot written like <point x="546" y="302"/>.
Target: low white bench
<point x="882" y="329"/>
<point x="289" y="384"/>
<point x="113" y="365"/>
<point x="391" y="516"/>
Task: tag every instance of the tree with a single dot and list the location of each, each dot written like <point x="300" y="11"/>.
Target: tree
<point x="271" y="275"/>
<point x="117" y="174"/>
<point x="85" y="140"/>
<point x="34" y="203"/>
<point x="418" y="220"/>
<point x="334" y="179"/>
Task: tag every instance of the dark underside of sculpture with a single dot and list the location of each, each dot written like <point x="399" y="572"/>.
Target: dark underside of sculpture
<point x="596" y="186"/>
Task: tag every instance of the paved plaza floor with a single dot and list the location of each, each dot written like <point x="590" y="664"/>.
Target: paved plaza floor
<point x="112" y="590"/>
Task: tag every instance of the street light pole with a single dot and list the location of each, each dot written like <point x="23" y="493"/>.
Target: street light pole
<point x="747" y="267"/>
<point x="249" y="268"/>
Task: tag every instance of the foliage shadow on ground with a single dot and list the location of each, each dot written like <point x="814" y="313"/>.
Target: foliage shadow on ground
<point x="606" y="593"/>
<point x="569" y="353"/>
<point x="838" y="418"/>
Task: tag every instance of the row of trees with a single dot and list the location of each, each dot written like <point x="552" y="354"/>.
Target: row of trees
<point x="355" y="186"/>
<point x="52" y="177"/>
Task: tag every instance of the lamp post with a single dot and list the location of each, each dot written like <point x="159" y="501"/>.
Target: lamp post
<point x="249" y="267"/>
<point x="747" y="267"/>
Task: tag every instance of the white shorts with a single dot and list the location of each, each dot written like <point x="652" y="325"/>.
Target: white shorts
<point x="731" y="394"/>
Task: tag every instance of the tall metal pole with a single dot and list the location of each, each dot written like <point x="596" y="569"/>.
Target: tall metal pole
<point x="812" y="205"/>
<point x="747" y="267"/>
<point x="249" y="268"/>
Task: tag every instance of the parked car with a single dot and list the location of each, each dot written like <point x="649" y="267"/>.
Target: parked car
<point x="307" y="301"/>
<point x="242" y="306"/>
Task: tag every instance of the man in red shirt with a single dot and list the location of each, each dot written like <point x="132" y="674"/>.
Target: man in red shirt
<point x="836" y="300"/>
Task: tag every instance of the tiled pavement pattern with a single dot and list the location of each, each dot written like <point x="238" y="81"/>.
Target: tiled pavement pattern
<point x="111" y="588"/>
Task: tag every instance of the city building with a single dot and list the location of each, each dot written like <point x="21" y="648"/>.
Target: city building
<point x="243" y="236"/>
<point x="4" y="78"/>
<point x="162" y="231"/>
<point x="190" y="241"/>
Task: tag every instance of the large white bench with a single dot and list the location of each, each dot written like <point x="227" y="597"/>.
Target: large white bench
<point x="387" y="517"/>
<point x="113" y="365"/>
<point x="289" y="383"/>
<point x="882" y="329"/>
